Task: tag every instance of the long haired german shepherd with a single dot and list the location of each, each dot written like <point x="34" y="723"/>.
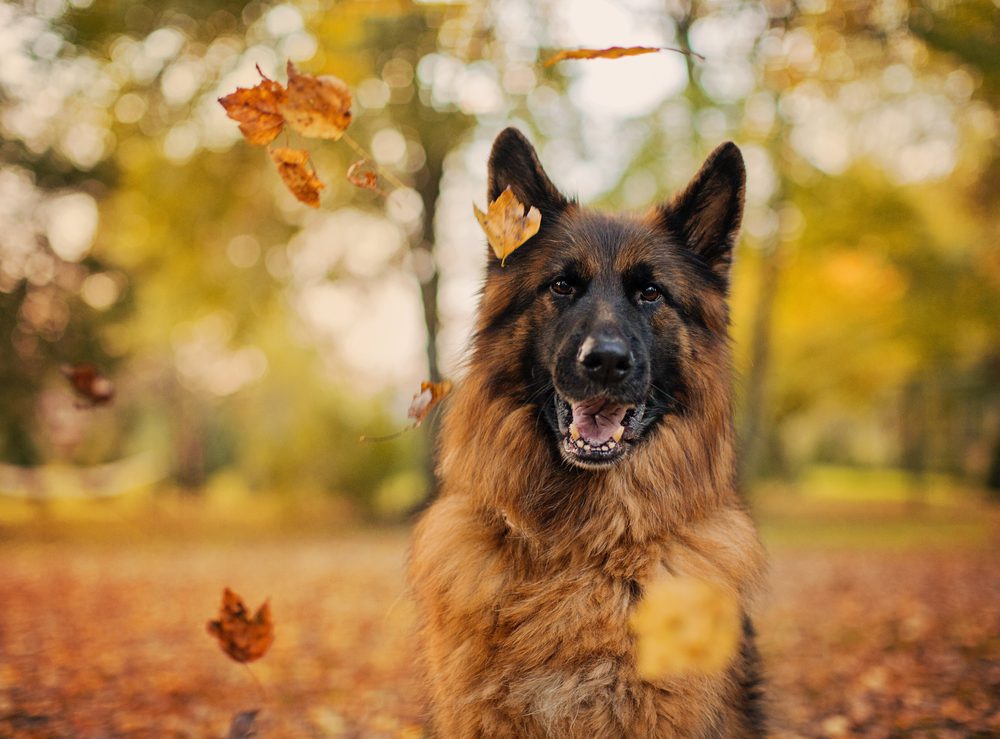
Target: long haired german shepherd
<point x="589" y="450"/>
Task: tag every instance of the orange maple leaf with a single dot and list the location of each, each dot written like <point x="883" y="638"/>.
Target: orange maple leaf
<point x="242" y="637"/>
<point x="297" y="176"/>
<point x="508" y="223"/>
<point x="317" y="107"/>
<point x="257" y="110"/>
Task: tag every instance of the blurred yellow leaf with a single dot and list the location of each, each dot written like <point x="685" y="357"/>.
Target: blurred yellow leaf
<point x="508" y="223"/>
<point x="684" y="624"/>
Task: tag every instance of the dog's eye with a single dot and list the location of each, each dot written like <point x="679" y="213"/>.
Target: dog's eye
<point x="650" y="293"/>
<point x="561" y="287"/>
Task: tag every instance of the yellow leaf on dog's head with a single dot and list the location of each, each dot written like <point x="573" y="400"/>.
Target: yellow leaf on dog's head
<point x="683" y="624"/>
<point x="508" y="223"/>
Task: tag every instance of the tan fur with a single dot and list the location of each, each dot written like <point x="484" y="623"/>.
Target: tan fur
<point x="525" y="572"/>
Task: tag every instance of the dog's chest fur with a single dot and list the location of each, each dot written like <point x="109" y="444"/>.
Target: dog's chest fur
<point x="529" y="636"/>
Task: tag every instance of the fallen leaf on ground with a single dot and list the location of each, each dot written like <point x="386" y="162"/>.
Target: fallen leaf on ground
<point x="613" y="52"/>
<point x="88" y="383"/>
<point x="364" y="174"/>
<point x="317" y="107"/>
<point x="431" y="393"/>
<point x="242" y="637"/>
<point x="684" y="624"/>
<point x="256" y="109"/>
<point x="508" y="223"/>
<point x="297" y="176"/>
<point x="242" y="726"/>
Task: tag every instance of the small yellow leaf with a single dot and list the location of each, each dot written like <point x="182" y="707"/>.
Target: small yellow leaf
<point x="613" y="52"/>
<point x="684" y="624"/>
<point x="508" y="223"/>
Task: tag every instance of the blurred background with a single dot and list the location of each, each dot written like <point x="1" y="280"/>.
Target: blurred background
<point x="243" y="342"/>
<point x="251" y="340"/>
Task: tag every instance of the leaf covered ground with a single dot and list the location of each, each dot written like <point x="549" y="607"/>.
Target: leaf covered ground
<point x="100" y="639"/>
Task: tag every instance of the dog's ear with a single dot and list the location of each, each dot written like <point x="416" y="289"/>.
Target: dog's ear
<point x="514" y="164"/>
<point x="705" y="217"/>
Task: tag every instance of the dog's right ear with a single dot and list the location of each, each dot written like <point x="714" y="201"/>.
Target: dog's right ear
<point x="514" y="164"/>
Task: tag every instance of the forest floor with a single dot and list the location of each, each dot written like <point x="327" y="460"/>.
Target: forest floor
<point x="880" y="623"/>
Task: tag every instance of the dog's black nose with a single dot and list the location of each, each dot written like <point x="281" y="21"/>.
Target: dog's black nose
<point x="605" y="358"/>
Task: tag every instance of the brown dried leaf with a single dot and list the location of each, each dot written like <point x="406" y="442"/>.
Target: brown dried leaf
<point x="241" y="637"/>
<point x="318" y="107"/>
<point x="297" y="176"/>
<point x="257" y="110"/>
<point x="613" y="52"/>
<point x="242" y="725"/>
<point x="684" y="624"/>
<point x="431" y="393"/>
<point x="507" y="224"/>
<point x="88" y="383"/>
<point x="364" y="174"/>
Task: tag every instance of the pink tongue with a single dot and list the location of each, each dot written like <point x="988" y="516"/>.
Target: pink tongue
<point x="598" y="419"/>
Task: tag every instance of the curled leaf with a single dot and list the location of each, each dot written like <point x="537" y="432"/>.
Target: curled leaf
<point x="431" y="393"/>
<point x="508" y="223"/>
<point x="88" y="383"/>
<point x="684" y="624"/>
<point x="242" y="725"/>
<point x="613" y="52"/>
<point x="242" y="637"/>
<point x="364" y="174"/>
<point x="297" y="176"/>
<point x="257" y="110"/>
<point x="317" y="107"/>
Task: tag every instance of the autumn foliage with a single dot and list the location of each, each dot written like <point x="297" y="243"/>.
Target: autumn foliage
<point x="242" y="636"/>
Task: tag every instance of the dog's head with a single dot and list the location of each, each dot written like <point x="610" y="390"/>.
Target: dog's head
<point x="610" y="325"/>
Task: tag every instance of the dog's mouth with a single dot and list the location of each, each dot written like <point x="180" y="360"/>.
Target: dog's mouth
<point x="597" y="432"/>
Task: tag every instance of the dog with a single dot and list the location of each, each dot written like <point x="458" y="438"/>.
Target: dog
<point x="588" y="451"/>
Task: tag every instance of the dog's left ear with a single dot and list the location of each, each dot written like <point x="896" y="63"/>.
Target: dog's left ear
<point x="514" y="164"/>
<point x="706" y="216"/>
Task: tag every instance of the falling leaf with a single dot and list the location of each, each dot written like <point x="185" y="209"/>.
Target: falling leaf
<point x="506" y="223"/>
<point x="242" y="725"/>
<point x="298" y="177"/>
<point x="431" y="393"/>
<point x="241" y="637"/>
<point x="257" y="110"/>
<point x="684" y="624"/>
<point x="88" y="383"/>
<point x="364" y="174"/>
<point x="318" y="107"/>
<point x="614" y="52"/>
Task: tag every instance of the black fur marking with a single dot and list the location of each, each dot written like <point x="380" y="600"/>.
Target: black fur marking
<point x="508" y="315"/>
<point x="752" y="683"/>
<point x="514" y="163"/>
<point x="707" y="215"/>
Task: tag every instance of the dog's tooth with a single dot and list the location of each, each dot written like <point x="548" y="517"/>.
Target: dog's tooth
<point x="617" y="435"/>
<point x="579" y="443"/>
<point x="574" y="432"/>
<point x="612" y="444"/>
